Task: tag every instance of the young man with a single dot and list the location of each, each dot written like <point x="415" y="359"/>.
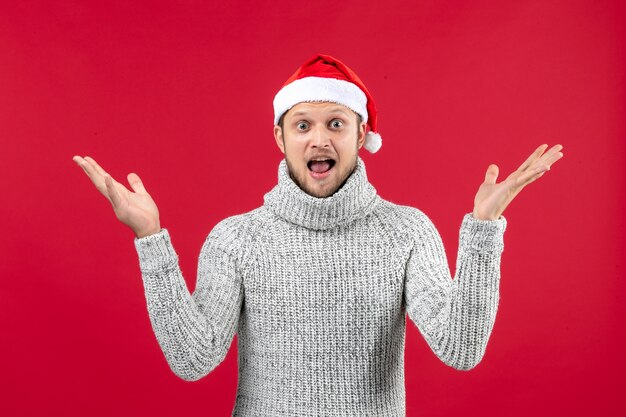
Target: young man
<point x="318" y="280"/>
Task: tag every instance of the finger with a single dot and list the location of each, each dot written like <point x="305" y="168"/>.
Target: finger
<point x="114" y="195"/>
<point x="101" y="171"/>
<point x="556" y="148"/>
<point x="533" y="157"/>
<point x="492" y="174"/>
<point x="553" y="155"/>
<point x="548" y="163"/>
<point x="547" y="159"/>
<point x="531" y="175"/>
<point x="91" y="172"/>
<point x="540" y="166"/>
<point x="136" y="184"/>
<point x="95" y="164"/>
<point x="81" y="163"/>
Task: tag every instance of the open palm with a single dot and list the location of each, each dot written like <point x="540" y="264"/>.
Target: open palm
<point x="135" y="209"/>
<point x="491" y="198"/>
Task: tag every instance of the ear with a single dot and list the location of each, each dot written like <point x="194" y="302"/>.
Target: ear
<point x="278" y="136"/>
<point x="361" y="135"/>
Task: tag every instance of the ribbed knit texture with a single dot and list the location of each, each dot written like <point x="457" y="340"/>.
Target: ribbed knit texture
<point x="317" y="291"/>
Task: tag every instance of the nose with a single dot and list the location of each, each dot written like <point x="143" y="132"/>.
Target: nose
<point x="321" y="137"/>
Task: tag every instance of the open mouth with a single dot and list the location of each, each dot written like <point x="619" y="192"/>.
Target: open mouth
<point x="321" y="166"/>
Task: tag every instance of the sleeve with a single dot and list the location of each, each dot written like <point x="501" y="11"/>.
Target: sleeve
<point x="456" y="316"/>
<point x="194" y="331"/>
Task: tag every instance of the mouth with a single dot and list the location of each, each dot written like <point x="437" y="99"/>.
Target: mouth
<point x="320" y="166"/>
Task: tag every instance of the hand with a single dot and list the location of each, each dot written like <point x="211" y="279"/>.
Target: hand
<point x="492" y="198"/>
<point x="136" y="210"/>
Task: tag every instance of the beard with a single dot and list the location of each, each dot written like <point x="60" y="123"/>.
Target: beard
<point x="337" y="181"/>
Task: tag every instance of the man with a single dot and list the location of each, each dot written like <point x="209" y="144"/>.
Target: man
<point x="318" y="280"/>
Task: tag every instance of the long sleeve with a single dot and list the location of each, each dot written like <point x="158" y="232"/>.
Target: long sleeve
<point x="456" y="316"/>
<point x="194" y="331"/>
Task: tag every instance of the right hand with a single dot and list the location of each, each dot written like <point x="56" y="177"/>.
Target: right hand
<point x="135" y="209"/>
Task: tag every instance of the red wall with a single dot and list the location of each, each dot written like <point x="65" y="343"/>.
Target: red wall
<point x="183" y="96"/>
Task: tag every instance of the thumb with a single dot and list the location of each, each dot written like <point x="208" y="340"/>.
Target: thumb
<point x="136" y="184"/>
<point x="492" y="174"/>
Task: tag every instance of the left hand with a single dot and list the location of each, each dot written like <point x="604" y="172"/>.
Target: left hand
<point x="492" y="198"/>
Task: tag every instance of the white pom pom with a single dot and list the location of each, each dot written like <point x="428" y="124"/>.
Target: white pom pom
<point x="373" y="142"/>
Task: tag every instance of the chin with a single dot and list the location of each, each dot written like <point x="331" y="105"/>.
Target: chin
<point x="316" y="188"/>
<point x="321" y="193"/>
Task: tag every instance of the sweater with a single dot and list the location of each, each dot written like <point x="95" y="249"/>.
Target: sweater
<point x="317" y="290"/>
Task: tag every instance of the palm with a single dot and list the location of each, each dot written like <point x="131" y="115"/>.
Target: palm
<point x="135" y="209"/>
<point x="491" y="198"/>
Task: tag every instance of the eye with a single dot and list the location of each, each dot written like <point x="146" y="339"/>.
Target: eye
<point x="302" y="126"/>
<point x="336" y="123"/>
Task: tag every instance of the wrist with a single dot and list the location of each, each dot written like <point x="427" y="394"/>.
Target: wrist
<point x="148" y="231"/>
<point x="483" y="216"/>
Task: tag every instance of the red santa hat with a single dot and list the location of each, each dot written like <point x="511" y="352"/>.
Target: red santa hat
<point x="324" y="78"/>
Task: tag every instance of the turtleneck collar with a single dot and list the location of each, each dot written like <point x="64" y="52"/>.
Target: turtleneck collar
<point x="355" y="199"/>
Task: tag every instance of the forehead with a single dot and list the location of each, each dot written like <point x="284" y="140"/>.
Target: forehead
<point x="318" y="107"/>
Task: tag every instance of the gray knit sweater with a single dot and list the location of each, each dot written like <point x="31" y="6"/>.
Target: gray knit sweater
<point x="317" y="291"/>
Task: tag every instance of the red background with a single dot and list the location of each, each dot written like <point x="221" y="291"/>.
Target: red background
<point x="182" y="94"/>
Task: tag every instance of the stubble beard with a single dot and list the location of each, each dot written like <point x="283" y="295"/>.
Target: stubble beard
<point x="342" y="178"/>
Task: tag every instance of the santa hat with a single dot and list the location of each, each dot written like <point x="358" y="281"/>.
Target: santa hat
<point x="324" y="78"/>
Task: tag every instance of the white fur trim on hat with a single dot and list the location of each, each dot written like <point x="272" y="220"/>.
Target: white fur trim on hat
<point x="310" y="89"/>
<point x="373" y="142"/>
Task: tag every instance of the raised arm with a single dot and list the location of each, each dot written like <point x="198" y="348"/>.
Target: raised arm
<point x="194" y="331"/>
<point x="455" y="317"/>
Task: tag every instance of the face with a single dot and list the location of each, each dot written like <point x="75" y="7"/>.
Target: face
<point x="321" y="142"/>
